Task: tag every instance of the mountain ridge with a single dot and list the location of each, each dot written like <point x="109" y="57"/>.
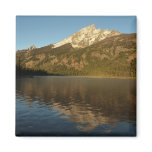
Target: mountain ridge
<point x="86" y="37"/>
<point x="83" y="38"/>
<point x="114" y="56"/>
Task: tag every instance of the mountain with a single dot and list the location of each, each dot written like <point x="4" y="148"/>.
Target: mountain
<point x="32" y="47"/>
<point x="89" y="52"/>
<point x="86" y="37"/>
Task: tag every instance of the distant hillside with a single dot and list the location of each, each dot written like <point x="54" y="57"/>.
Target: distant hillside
<point x="114" y="56"/>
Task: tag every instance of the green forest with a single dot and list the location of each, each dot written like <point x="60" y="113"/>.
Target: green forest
<point x="112" y="57"/>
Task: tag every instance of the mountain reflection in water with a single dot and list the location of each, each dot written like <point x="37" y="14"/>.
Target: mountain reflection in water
<point x="75" y="106"/>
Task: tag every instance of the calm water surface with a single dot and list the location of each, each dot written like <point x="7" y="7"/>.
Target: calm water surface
<point x="58" y="105"/>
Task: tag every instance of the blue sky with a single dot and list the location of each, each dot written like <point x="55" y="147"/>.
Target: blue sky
<point x="45" y="30"/>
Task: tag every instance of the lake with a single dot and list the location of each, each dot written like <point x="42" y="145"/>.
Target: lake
<point x="75" y="106"/>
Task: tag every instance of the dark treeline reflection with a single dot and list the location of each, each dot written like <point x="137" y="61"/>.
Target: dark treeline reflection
<point x="90" y="101"/>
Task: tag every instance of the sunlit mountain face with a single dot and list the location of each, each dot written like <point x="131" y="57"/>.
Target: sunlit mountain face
<point x="87" y="36"/>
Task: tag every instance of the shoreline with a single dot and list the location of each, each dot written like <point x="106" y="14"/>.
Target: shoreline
<point x="102" y="77"/>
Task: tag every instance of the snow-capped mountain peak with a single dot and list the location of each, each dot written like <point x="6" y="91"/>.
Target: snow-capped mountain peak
<point x="86" y="37"/>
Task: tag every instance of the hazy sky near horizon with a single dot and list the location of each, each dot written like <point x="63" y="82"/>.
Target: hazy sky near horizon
<point x="45" y="30"/>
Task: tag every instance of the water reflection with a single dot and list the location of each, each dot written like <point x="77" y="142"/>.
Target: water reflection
<point x="87" y="102"/>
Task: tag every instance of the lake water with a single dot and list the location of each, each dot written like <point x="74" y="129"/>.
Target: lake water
<point x="71" y="106"/>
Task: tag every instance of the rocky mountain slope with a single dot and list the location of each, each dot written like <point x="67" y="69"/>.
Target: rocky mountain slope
<point x="86" y="37"/>
<point x="89" y="52"/>
<point x="32" y="47"/>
